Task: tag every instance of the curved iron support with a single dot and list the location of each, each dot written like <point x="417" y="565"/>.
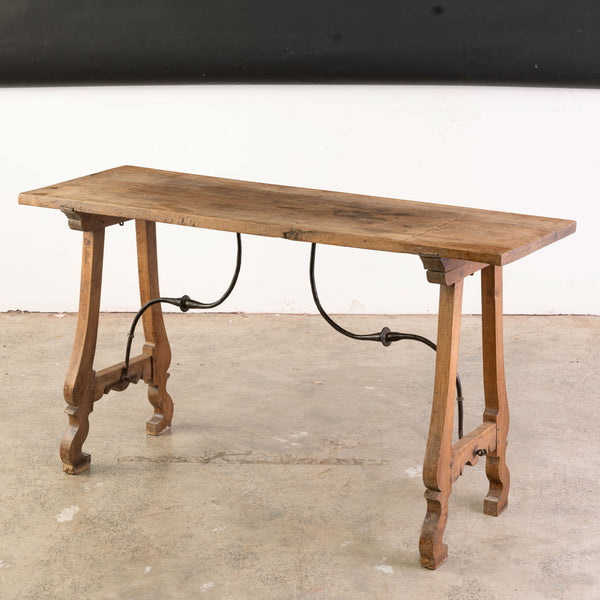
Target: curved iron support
<point x="385" y="336"/>
<point x="184" y="304"/>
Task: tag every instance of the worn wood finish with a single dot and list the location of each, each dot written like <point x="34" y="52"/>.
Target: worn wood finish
<point x="469" y="234"/>
<point x="496" y="403"/>
<point x="453" y="243"/>
<point x="79" y="387"/>
<point x="157" y="344"/>
<point x="437" y="466"/>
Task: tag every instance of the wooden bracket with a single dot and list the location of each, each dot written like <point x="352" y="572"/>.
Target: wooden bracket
<point x="448" y="270"/>
<point x="81" y="221"/>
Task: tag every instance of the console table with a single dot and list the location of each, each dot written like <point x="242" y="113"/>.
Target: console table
<point x="452" y="242"/>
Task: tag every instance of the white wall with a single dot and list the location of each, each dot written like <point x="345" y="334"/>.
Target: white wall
<point x="514" y="149"/>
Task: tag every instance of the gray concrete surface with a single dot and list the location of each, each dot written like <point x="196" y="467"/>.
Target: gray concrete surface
<point x="293" y="467"/>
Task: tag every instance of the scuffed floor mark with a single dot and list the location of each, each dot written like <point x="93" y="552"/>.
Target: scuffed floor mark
<point x="3" y="565"/>
<point x="339" y="442"/>
<point x="88" y="486"/>
<point x="299" y="434"/>
<point x="67" y="514"/>
<point x="344" y="544"/>
<point x="252" y="458"/>
<point x="206" y="586"/>
<point x="385" y="569"/>
<point x="217" y="529"/>
<point x="414" y="471"/>
<point x="147" y="570"/>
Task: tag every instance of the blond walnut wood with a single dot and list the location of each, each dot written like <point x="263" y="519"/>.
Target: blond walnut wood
<point x="494" y="385"/>
<point x="437" y="466"/>
<point x="79" y="387"/>
<point x="308" y="215"/>
<point x="83" y="386"/>
<point x="453" y="242"/>
<point x="157" y="344"/>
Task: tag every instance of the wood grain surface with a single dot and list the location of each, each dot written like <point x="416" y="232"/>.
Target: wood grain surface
<point x="307" y="215"/>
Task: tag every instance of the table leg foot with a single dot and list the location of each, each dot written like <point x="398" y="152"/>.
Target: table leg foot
<point x="163" y="411"/>
<point x="74" y="460"/>
<point x="79" y="467"/>
<point x="433" y="551"/>
<point x="497" y="498"/>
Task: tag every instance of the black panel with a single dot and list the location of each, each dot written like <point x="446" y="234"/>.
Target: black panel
<point x="530" y="42"/>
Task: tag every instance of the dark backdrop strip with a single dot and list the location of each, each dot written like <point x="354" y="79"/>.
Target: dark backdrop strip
<point x="523" y="42"/>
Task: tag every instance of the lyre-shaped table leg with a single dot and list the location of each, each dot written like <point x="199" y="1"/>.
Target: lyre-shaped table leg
<point x="496" y="404"/>
<point x="437" y="474"/>
<point x="157" y="343"/>
<point x="80" y="379"/>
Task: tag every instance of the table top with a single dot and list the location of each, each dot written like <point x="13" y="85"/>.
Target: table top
<point x="309" y="215"/>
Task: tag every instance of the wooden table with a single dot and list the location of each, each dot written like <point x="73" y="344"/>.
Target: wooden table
<point x="453" y="242"/>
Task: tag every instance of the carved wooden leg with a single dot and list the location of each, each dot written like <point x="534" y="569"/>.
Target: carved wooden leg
<point x="437" y="467"/>
<point x="80" y="379"/>
<point x="496" y="404"/>
<point x="157" y="344"/>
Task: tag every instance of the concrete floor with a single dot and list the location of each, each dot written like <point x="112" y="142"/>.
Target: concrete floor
<point x="293" y="467"/>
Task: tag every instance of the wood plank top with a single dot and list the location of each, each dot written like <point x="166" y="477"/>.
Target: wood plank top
<point x="307" y="215"/>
